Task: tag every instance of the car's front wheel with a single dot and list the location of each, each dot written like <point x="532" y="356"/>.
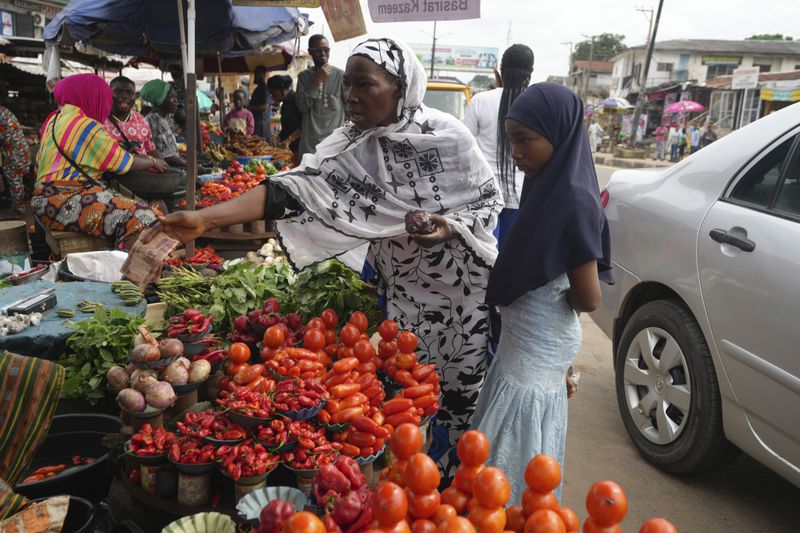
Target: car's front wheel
<point x="667" y="390"/>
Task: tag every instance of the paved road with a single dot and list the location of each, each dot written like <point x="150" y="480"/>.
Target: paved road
<point x="603" y="173"/>
<point x="744" y="497"/>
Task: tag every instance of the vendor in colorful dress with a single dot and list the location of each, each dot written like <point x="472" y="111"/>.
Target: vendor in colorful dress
<point x="239" y="118"/>
<point x="397" y="156"/>
<point x="15" y="158"/>
<point x="74" y="153"/>
<point x="162" y="96"/>
<point x="128" y="127"/>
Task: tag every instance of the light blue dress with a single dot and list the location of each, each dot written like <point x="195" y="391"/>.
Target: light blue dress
<point x="522" y="407"/>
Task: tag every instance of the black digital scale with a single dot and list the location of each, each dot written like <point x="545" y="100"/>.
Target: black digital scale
<point x="36" y="303"/>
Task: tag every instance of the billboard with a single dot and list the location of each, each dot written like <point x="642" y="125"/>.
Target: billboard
<point x="458" y="57"/>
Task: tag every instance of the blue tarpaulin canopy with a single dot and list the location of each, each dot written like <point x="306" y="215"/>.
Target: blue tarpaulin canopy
<point x="151" y="27"/>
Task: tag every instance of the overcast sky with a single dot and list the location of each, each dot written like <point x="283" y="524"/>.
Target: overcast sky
<point x="544" y="25"/>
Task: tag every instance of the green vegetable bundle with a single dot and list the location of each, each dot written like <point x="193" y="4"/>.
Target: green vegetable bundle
<point x="98" y="343"/>
<point x="185" y="289"/>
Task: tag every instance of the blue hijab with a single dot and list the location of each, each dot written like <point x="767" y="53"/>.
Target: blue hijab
<point x="561" y="224"/>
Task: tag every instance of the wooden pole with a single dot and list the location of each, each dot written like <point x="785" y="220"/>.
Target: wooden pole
<point x="192" y="123"/>
<point x="221" y="92"/>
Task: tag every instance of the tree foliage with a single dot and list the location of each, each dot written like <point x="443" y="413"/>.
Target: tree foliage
<point x="606" y="46"/>
<point x="770" y="37"/>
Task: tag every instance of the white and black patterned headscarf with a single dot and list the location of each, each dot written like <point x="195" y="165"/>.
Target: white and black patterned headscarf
<point x="359" y="184"/>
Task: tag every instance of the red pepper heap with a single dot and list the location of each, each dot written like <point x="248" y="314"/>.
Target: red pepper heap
<point x="190" y="322"/>
<point x="245" y="460"/>
<point x="273" y="516"/>
<point x="297" y="394"/>
<point x="212" y="424"/>
<point x="191" y="451"/>
<point x="342" y="491"/>
<point x="150" y="442"/>
<point x="247" y="402"/>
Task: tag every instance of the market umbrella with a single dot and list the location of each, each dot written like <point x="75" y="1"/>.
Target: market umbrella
<point x="684" y="106"/>
<point x="616" y="103"/>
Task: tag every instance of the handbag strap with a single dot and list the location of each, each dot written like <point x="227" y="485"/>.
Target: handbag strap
<point x="114" y="121"/>
<point x="68" y="158"/>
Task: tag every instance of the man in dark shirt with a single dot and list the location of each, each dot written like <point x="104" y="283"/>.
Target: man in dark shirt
<point x="280" y="89"/>
<point x="259" y="103"/>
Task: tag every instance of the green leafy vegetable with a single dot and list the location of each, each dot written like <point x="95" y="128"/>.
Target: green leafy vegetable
<point x="185" y="289"/>
<point x="97" y="344"/>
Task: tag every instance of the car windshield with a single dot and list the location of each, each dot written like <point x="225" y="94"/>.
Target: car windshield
<point x="449" y="101"/>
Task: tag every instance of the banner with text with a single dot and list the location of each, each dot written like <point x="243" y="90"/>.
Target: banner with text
<point x="460" y="58"/>
<point x="345" y="18"/>
<point x="410" y="10"/>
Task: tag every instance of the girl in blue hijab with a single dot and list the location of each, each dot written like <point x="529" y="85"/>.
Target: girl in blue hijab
<point x="547" y="273"/>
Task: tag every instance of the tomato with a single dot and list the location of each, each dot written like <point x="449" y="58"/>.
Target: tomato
<point x="491" y="488"/>
<point x="274" y="337"/>
<point x="545" y="521"/>
<point x="238" y="353"/>
<point x="570" y="519"/>
<point x="657" y="525"/>
<point x="458" y="524"/>
<point x="364" y="351"/>
<point x="406" y="441"/>
<point x="359" y="320"/>
<point x="473" y="448"/>
<point x="488" y="520"/>
<point x="543" y="473"/>
<point x="406" y="361"/>
<point x="423" y="505"/>
<point x="606" y="503"/>
<point x="422" y="475"/>
<point x="234" y="369"/>
<point x="350" y="335"/>
<point x="533" y="501"/>
<point x="388" y="330"/>
<point x="407" y="342"/>
<point x="444" y="512"/>
<point x="590" y="526"/>
<point x="330" y="318"/>
<point x="303" y="522"/>
<point x="423" y="526"/>
<point x="317" y="323"/>
<point x="455" y="498"/>
<point x="314" y="339"/>
<point x="248" y="374"/>
<point x="515" y="519"/>
<point x="400" y="527"/>
<point x="387" y="349"/>
<point x="389" y="503"/>
<point x="330" y="337"/>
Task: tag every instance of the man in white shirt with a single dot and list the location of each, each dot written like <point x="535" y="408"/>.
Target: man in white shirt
<point x="673" y="138"/>
<point x="482" y="120"/>
<point x="595" y="135"/>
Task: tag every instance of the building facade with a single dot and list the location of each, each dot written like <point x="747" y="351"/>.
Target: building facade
<point x="27" y="18"/>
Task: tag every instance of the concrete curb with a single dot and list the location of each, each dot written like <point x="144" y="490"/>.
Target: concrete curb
<point x="618" y="162"/>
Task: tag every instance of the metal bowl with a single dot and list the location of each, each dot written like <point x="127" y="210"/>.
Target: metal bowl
<point x="27" y="278"/>
<point x="304" y="414"/>
<point x="147" y="460"/>
<point x="250" y="506"/>
<point x="201" y="468"/>
<point x="246" y="421"/>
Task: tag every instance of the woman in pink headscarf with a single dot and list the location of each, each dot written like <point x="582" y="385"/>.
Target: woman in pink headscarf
<point x="74" y="153"/>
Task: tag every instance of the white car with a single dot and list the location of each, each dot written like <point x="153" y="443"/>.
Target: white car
<point x="705" y="314"/>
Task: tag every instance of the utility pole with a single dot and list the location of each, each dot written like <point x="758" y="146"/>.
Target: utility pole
<point x="588" y="72"/>
<point x="643" y="85"/>
<point x="508" y="35"/>
<point x="433" y="48"/>
<point x="571" y="54"/>
<point x="648" y="14"/>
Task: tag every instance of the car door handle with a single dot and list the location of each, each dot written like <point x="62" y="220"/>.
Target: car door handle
<point x="722" y="237"/>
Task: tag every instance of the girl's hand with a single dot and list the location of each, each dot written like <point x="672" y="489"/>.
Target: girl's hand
<point x="442" y="233"/>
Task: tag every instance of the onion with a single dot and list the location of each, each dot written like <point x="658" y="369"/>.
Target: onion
<point x="117" y="378"/>
<point x="142" y="379"/>
<point x="170" y="348"/>
<point x="199" y="371"/>
<point x="185" y="362"/>
<point x="160" y="395"/>
<point x="131" y="400"/>
<point x="176" y="374"/>
<point x="131" y="368"/>
<point x="145" y="353"/>
<point x="138" y="339"/>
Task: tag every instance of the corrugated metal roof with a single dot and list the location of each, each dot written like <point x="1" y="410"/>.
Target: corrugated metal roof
<point x="715" y="46"/>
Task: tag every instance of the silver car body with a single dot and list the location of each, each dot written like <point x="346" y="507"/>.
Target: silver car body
<point x="747" y="304"/>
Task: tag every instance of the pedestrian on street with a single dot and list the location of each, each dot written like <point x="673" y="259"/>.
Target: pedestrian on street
<point x="595" y="136"/>
<point x="485" y="119"/>
<point x="15" y="158"/>
<point x="661" y="139"/>
<point x="694" y="138"/>
<point x="683" y="142"/>
<point x="673" y="138"/>
<point x="545" y="275"/>
<point x="709" y="136"/>
<point x="259" y="104"/>
<point x="320" y="96"/>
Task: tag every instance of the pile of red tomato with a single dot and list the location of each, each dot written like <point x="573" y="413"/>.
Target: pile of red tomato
<point x="234" y="182"/>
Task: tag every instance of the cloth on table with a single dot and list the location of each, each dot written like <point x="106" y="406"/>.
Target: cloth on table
<point x="522" y="407"/>
<point x="48" y="340"/>
<point x="29" y="392"/>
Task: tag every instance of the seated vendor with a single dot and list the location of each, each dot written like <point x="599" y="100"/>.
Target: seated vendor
<point x="125" y="124"/>
<point x="74" y="153"/>
<point x="239" y="118"/>
<point x="161" y="95"/>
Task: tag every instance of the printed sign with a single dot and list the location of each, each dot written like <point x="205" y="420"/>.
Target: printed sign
<point x="745" y="78"/>
<point x="721" y="60"/>
<point x="344" y="18"/>
<point x="7" y="22"/>
<point x="458" y="58"/>
<point x="409" y="10"/>
<point x="278" y="3"/>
